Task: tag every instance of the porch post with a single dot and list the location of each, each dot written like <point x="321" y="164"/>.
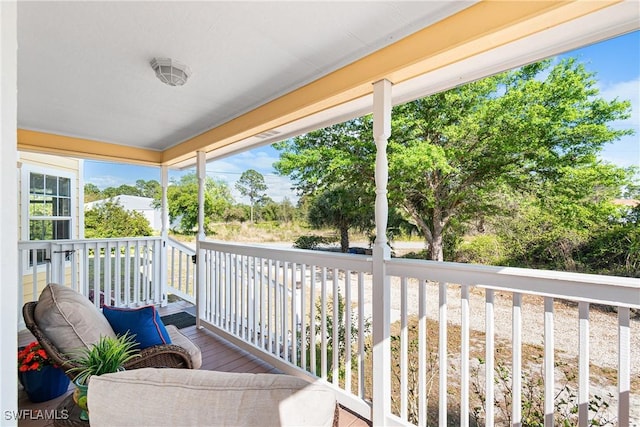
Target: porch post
<point x="9" y="299"/>
<point x="164" y="234"/>
<point x="201" y="172"/>
<point x="381" y="254"/>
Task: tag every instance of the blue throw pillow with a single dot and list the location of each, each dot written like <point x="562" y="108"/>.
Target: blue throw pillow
<point x="143" y="322"/>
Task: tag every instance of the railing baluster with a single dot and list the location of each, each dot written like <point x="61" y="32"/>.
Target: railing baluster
<point x="96" y="275"/>
<point x="107" y="274"/>
<point x="263" y="295"/>
<point x="323" y="324"/>
<point x="404" y="349"/>
<point x="549" y="363"/>
<point x="442" y="355"/>
<point x="489" y="358"/>
<point x="347" y="329"/>
<point x="422" y="353"/>
<point x="269" y="310"/>
<point x="336" y="326"/>
<point x="84" y="286"/>
<point x="277" y="309"/>
<point x="136" y="281"/>
<point x="464" y="356"/>
<point x="583" y="365"/>
<point x="624" y="366"/>
<point x="253" y="312"/>
<point x="285" y="309"/>
<point x="294" y="316"/>
<point x="361" y="337"/>
<point x="516" y="403"/>
<point x="312" y="321"/>
<point x="303" y="316"/>
<point x="117" y="288"/>
<point x="34" y="273"/>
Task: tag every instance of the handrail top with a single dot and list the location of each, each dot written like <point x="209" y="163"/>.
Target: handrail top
<point x="23" y="243"/>
<point x="565" y="276"/>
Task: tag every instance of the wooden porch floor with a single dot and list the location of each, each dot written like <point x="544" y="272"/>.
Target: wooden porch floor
<point x="217" y="355"/>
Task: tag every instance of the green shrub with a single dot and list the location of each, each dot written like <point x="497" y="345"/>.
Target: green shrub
<point x="312" y="241"/>
<point x="481" y="249"/>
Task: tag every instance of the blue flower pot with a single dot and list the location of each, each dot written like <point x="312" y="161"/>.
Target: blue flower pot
<point x="45" y="384"/>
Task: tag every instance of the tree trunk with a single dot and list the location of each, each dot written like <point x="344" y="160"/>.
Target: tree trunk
<point x="437" y="252"/>
<point x="437" y="241"/>
<point x="344" y="239"/>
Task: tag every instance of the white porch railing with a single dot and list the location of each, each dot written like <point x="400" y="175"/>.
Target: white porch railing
<point x="122" y="272"/>
<point x="278" y="304"/>
<point x="465" y="340"/>
<point x="181" y="270"/>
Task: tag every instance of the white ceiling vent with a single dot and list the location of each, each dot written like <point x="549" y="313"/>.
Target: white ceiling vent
<point x="268" y="134"/>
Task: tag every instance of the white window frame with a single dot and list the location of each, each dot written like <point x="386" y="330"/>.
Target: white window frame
<point x="25" y="217"/>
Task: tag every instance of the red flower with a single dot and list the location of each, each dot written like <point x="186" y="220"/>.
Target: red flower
<point x="32" y="358"/>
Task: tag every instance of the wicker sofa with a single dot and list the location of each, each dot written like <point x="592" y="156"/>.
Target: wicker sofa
<point x="172" y="397"/>
<point x="63" y="321"/>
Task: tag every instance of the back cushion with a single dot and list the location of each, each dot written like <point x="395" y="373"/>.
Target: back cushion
<point x="69" y="319"/>
<point x="143" y="323"/>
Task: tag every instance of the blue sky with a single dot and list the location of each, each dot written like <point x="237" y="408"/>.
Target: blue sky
<point x="616" y="62"/>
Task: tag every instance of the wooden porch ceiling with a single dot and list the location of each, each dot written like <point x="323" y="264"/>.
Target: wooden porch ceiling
<point x="480" y="28"/>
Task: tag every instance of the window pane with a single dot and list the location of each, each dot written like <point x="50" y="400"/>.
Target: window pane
<point x="51" y="185"/>
<point x="61" y="229"/>
<point x="49" y="204"/>
<point x="49" y="229"/>
<point x="64" y="187"/>
<point x="36" y="206"/>
<point x="41" y="255"/>
<point x="64" y="206"/>
<point x="40" y="230"/>
<point x="36" y="183"/>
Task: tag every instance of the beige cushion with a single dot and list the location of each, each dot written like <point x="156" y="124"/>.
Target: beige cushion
<point x="179" y="397"/>
<point x="69" y="319"/>
<point x="179" y="339"/>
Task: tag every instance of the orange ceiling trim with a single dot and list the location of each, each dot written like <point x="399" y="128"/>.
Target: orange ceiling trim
<point x="43" y="142"/>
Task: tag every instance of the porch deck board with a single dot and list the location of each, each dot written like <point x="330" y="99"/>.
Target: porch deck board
<point x="218" y="355"/>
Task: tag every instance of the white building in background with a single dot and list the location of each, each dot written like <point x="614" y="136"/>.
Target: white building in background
<point x="144" y="205"/>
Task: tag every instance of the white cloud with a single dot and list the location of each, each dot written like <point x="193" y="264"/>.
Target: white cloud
<point x="626" y="151"/>
<point x="104" y="181"/>
<point x="628" y="90"/>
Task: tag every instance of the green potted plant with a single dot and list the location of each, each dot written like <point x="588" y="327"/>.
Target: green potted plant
<point x="106" y="356"/>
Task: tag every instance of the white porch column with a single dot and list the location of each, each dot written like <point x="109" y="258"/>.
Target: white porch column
<point x="381" y="253"/>
<point x="201" y="173"/>
<point x="164" y="233"/>
<point x="9" y="214"/>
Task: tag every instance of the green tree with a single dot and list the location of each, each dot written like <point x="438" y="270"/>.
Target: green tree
<point x="91" y="192"/>
<point x="450" y="153"/>
<point x="332" y="170"/>
<point x="182" y="196"/>
<point x="342" y="209"/>
<point x="148" y="188"/>
<point x="110" y="219"/>
<point x="251" y="184"/>
<point x="126" y="189"/>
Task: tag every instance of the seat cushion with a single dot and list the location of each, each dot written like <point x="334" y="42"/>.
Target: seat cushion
<point x="142" y="322"/>
<point x="172" y="397"/>
<point x="69" y="319"/>
<point x="177" y="338"/>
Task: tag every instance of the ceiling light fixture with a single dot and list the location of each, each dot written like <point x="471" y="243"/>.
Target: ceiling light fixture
<point x="170" y="71"/>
